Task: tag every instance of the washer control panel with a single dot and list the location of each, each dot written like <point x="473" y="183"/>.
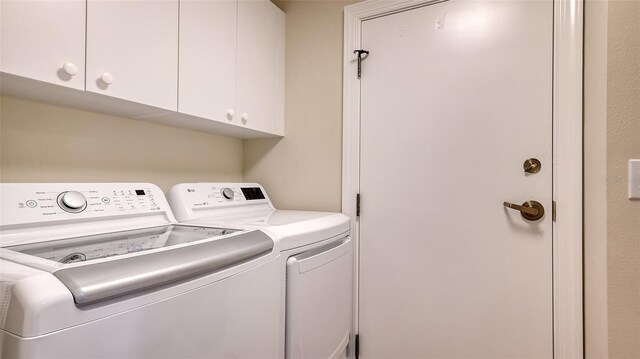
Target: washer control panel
<point x="25" y="202"/>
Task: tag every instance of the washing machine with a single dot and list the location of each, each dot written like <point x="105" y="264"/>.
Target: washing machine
<point x="105" y="271"/>
<point x="316" y="253"/>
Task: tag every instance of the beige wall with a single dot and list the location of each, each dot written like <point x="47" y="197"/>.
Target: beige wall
<point x="623" y="143"/>
<point x="46" y="143"/>
<point x="304" y="169"/>
<point x="595" y="180"/>
<point x="612" y="137"/>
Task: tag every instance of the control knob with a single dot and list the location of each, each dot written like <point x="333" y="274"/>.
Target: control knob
<point x="227" y="193"/>
<point x="72" y="201"/>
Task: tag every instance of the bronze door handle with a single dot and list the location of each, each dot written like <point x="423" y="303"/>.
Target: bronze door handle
<point x="530" y="210"/>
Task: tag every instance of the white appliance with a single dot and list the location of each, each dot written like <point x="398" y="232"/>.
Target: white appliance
<point x="316" y="251"/>
<point x="104" y="271"/>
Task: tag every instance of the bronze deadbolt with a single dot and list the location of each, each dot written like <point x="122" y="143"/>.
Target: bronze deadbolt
<point x="532" y="165"/>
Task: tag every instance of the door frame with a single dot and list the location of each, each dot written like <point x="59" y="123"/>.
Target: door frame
<point x="567" y="156"/>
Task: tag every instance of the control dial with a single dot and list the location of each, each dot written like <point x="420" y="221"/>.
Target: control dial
<point x="227" y="193"/>
<point x="72" y="201"/>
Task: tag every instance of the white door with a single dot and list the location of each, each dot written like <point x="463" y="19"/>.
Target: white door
<point x="455" y="97"/>
<point x="132" y="50"/>
<point x="207" y="79"/>
<point x="43" y="40"/>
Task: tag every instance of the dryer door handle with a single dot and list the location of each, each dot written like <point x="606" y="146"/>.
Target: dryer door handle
<point x="322" y="255"/>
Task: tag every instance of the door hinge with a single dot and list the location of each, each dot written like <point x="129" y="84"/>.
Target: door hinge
<point x="357" y="346"/>
<point x="360" y="58"/>
<point x="553" y="211"/>
<point x="358" y="205"/>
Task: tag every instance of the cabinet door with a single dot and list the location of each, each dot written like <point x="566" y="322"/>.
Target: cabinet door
<point x="132" y="50"/>
<point x="207" y="74"/>
<point x="260" y="91"/>
<point x="39" y="37"/>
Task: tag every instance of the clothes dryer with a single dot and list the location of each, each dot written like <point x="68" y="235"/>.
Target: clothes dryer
<point x="316" y="251"/>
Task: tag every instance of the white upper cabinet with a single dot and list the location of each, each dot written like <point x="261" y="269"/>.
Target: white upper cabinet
<point x="232" y="63"/>
<point x="207" y="75"/>
<point x="43" y="40"/>
<point x="132" y="50"/>
<point x="209" y="65"/>
<point x="260" y="86"/>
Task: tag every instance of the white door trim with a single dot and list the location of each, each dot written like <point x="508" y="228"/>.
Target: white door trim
<point x="567" y="155"/>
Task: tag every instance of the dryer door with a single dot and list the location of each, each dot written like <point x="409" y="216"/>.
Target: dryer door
<point x="319" y="301"/>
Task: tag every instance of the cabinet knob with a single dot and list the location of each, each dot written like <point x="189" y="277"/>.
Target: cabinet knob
<point x="230" y="114"/>
<point x="107" y="78"/>
<point x="70" y="69"/>
<point x="245" y="117"/>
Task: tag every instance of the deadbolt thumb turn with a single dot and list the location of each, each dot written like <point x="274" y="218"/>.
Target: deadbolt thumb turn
<point x="530" y="210"/>
<point x="532" y="165"/>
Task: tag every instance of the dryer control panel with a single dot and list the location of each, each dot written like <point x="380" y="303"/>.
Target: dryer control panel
<point x="36" y="202"/>
<point x="234" y="193"/>
<point x="198" y="200"/>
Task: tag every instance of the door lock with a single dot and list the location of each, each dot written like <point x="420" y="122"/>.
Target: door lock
<point x="532" y="165"/>
<point x="530" y="210"/>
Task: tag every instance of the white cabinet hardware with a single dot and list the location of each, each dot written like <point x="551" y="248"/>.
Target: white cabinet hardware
<point x="70" y="69"/>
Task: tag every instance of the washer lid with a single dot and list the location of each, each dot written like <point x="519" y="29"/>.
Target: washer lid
<point x="99" y="280"/>
<point x="94" y="283"/>
<point x="95" y="247"/>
